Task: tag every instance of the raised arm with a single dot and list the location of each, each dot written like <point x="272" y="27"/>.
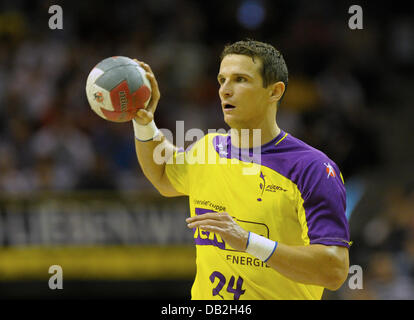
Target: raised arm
<point x="144" y="127"/>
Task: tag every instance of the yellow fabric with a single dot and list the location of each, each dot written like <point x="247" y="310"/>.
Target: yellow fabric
<point x="217" y="184"/>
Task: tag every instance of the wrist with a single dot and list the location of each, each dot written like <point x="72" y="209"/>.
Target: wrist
<point x="260" y="247"/>
<point x="145" y="132"/>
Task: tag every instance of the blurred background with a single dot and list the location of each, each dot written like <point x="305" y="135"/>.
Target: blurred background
<point x="72" y="193"/>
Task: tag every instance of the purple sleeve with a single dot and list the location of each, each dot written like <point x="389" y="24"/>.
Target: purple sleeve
<point x="324" y="201"/>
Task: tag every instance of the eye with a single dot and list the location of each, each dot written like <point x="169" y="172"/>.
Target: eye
<point x="241" y="79"/>
<point x="220" y="80"/>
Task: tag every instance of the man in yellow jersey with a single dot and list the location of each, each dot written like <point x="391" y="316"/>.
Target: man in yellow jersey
<point x="268" y="216"/>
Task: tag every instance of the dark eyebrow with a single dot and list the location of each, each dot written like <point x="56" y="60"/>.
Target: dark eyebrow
<point x="236" y="75"/>
<point x="242" y="75"/>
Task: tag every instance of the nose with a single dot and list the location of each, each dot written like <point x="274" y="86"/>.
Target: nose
<point x="225" y="90"/>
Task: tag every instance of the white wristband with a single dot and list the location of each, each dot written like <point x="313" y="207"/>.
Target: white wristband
<point x="260" y="247"/>
<point x="146" y="132"/>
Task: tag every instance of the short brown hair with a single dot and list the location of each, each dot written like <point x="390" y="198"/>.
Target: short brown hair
<point x="274" y="67"/>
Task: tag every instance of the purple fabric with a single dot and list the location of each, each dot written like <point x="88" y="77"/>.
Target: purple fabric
<point x="206" y="242"/>
<point x="323" y="194"/>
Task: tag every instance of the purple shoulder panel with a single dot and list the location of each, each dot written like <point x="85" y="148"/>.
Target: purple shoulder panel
<point x="316" y="176"/>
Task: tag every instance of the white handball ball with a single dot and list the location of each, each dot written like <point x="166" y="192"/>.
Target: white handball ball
<point x="117" y="88"/>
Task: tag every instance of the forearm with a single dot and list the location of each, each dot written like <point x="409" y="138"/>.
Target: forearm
<point x="316" y="264"/>
<point x="326" y="266"/>
<point x="152" y="148"/>
<point x="152" y="157"/>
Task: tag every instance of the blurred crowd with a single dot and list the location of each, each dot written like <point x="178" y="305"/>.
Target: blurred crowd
<point x="348" y="95"/>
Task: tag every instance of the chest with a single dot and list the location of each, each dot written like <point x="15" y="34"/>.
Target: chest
<point x="259" y="202"/>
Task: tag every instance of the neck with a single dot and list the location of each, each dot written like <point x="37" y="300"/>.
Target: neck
<point x="252" y="138"/>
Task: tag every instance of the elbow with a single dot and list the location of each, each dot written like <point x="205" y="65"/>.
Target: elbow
<point x="166" y="193"/>
<point x="163" y="186"/>
<point x="337" y="273"/>
<point x="163" y="191"/>
<point x="336" y="280"/>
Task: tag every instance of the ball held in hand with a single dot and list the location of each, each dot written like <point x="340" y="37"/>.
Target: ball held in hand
<point x="117" y="88"/>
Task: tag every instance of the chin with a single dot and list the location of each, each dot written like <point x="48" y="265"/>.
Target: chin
<point x="234" y="123"/>
<point x="230" y="122"/>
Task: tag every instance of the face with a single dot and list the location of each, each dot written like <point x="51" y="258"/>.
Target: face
<point x="244" y="101"/>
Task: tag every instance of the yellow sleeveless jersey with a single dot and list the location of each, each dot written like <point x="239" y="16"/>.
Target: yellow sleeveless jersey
<point x="286" y="191"/>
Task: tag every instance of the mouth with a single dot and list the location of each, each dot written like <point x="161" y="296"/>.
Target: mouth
<point x="228" y="106"/>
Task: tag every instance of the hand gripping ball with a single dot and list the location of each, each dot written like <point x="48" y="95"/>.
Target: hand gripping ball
<point x="117" y="88"/>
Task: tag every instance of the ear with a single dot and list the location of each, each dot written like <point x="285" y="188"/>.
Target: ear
<point x="276" y="92"/>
